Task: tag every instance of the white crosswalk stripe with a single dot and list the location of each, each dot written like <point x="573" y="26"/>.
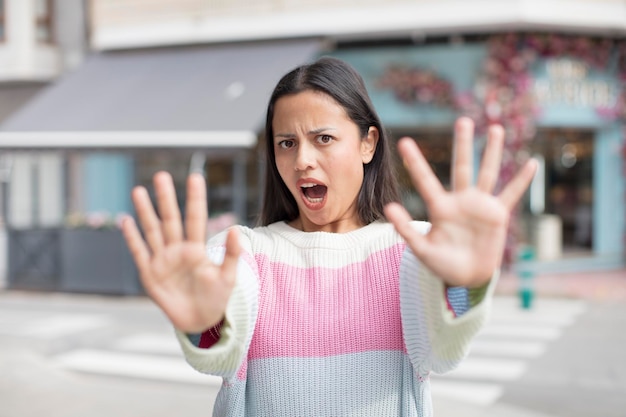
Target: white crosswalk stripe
<point x="491" y="369"/>
<point x="153" y="356"/>
<point x="522" y="331"/>
<point x="149" y="343"/>
<point x="516" y="349"/>
<point x="144" y="366"/>
<point x="505" y="347"/>
<point x="477" y="393"/>
<point x="49" y="325"/>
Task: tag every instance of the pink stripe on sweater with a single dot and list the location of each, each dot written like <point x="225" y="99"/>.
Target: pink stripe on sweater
<point x="319" y="312"/>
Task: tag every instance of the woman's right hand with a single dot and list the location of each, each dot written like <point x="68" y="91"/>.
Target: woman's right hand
<point x="172" y="262"/>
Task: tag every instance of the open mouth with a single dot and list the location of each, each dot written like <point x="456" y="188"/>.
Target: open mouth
<point x="314" y="193"/>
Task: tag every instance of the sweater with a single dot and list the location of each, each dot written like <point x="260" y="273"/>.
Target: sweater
<point x="325" y="324"/>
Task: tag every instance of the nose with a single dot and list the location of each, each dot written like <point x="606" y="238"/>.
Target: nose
<point x="305" y="157"/>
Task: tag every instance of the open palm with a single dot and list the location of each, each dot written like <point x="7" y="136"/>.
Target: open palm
<point x="172" y="261"/>
<point x="469" y="223"/>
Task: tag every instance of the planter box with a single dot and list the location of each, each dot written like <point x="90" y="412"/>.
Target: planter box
<point x="33" y="259"/>
<point x="97" y="261"/>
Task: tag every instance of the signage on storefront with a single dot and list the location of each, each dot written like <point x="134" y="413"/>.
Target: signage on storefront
<point x="565" y="81"/>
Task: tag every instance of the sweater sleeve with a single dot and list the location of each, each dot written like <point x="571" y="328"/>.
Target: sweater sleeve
<point x="225" y="357"/>
<point x="437" y="338"/>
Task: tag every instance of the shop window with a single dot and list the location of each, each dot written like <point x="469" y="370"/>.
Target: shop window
<point x="220" y="178"/>
<point x="2" y="20"/>
<point x="176" y="162"/>
<point x="436" y="146"/>
<point x="218" y="172"/>
<point x="44" y="21"/>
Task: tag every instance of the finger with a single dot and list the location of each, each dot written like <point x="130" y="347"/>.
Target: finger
<point x="400" y="218"/>
<point x="421" y="174"/>
<point x="490" y="165"/>
<point x="196" y="210"/>
<point x="231" y="257"/>
<point x="514" y="190"/>
<point x="462" y="159"/>
<point x="148" y="219"/>
<point x="168" y="207"/>
<point x="135" y="243"/>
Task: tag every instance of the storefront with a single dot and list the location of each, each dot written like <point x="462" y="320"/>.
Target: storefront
<point x="75" y="151"/>
<point x="560" y="100"/>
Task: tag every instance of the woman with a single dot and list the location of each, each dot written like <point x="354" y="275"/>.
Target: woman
<point x="326" y="308"/>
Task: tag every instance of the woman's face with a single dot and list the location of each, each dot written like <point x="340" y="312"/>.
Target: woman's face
<point x="320" y="155"/>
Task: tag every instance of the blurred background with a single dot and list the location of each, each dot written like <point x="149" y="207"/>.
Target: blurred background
<point x="96" y="96"/>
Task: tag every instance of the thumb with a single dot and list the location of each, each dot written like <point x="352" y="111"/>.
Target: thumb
<point x="231" y="257"/>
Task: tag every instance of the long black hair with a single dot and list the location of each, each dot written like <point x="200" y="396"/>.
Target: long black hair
<point x="339" y="80"/>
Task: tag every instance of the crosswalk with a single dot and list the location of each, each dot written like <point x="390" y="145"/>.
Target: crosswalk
<point x="152" y="356"/>
<point x="506" y="346"/>
<point x="501" y="353"/>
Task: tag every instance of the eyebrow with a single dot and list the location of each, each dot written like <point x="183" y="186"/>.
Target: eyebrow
<point x="310" y="132"/>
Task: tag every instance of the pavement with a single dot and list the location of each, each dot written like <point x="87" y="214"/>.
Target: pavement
<point x="593" y="286"/>
<point x="600" y="285"/>
<point x="74" y="353"/>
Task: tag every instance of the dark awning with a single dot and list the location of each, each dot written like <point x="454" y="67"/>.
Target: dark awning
<point x="196" y="97"/>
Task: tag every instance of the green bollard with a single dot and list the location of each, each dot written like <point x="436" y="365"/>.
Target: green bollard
<point x="526" y="275"/>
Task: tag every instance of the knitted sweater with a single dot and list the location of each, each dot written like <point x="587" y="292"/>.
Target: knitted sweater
<point x="325" y="324"/>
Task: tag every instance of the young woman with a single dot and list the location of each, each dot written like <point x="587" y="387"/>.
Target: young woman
<point x="338" y="303"/>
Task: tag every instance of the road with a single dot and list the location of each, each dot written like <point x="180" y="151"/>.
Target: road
<point x="92" y="356"/>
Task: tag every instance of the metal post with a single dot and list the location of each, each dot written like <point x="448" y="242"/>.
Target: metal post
<point x="526" y="276"/>
<point x="5" y="178"/>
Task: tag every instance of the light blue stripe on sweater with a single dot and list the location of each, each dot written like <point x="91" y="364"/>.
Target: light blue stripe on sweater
<point x="459" y="300"/>
<point x="378" y="383"/>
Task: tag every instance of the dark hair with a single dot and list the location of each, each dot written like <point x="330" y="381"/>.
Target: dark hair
<point x="340" y="81"/>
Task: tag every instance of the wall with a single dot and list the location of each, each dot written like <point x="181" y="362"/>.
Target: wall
<point x="122" y="24"/>
<point x="36" y="190"/>
<point x="21" y="57"/>
<point x="457" y="64"/>
<point x="107" y="182"/>
<point x="609" y="191"/>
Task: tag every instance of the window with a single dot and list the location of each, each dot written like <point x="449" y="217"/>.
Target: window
<point x="2" y="20"/>
<point x="436" y="145"/>
<point x="43" y="21"/>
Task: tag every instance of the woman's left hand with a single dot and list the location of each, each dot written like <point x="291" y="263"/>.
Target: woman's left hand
<point x="469" y="224"/>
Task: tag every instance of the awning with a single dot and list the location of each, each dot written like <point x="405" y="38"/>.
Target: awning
<point x="188" y="97"/>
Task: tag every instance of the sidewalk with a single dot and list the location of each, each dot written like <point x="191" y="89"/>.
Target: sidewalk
<point x="608" y="285"/>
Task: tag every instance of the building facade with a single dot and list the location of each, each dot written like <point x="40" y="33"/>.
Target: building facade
<point x="552" y="72"/>
<point x="41" y="41"/>
<point x="560" y="98"/>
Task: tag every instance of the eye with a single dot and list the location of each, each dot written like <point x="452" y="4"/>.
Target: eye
<point x="324" y="139"/>
<point x="286" y="144"/>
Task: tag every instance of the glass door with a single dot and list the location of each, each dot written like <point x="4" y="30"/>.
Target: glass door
<point x="567" y="174"/>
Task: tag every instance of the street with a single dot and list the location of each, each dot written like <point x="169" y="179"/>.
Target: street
<point x="85" y="355"/>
